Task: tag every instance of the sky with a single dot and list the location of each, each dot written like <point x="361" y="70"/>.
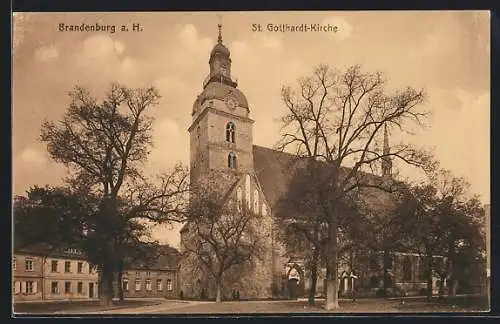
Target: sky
<point x="446" y="53"/>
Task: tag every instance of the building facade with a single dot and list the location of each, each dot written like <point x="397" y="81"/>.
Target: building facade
<point x="159" y="279"/>
<point x="221" y="147"/>
<point x="40" y="273"/>
<point x="68" y="275"/>
<point x="150" y="283"/>
<point x="27" y="276"/>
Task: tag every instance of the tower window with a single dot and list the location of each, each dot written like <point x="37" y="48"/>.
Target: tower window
<point x="230" y="132"/>
<point x="231" y="160"/>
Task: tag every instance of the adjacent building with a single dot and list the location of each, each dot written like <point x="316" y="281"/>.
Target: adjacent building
<point x="67" y="275"/>
<point x="27" y="270"/>
<point x="158" y="279"/>
<point x="43" y="273"/>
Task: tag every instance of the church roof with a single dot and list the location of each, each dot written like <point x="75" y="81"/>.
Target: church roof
<point x="275" y="171"/>
<point x="219" y="47"/>
<point x="168" y="259"/>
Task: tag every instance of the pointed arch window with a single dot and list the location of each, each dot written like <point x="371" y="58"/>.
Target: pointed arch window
<point x="264" y="210"/>
<point x="256" y="201"/>
<point x="231" y="160"/>
<point x="247" y="191"/>
<point x="230" y="132"/>
<point x="239" y="198"/>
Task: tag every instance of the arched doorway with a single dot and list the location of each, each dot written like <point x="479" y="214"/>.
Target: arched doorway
<point x="295" y="281"/>
<point x="293" y="288"/>
<point x="407" y="269"/>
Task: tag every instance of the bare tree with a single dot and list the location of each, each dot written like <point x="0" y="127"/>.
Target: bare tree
<point x="223" y="235"/>
<point x="104" y="145"/>
<point x="338" y="118"/>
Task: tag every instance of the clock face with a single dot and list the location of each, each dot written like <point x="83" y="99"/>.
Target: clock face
<point x="231" y="103"/>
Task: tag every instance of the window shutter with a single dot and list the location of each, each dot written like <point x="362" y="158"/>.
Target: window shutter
<point x="23" y="286"/>
<point x="34" y="287"/>
<point x="17" y="287"/>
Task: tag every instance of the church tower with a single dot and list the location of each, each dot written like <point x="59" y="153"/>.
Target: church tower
<point x="221" y="130"/>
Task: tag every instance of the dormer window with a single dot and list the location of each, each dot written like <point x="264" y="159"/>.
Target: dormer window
<point x="231" y="160"/>
<point x="230" y="132"/>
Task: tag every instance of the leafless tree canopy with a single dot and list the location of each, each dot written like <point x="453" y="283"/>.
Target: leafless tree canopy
<point x="162" y="199"/>
<point x="339" y="117"/>
<point x="103" y="143"/>
<point x="223" y="234"/>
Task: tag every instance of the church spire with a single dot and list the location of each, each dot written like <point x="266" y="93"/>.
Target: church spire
<point x="219" y="39"/>
<point x="386" y="160"/>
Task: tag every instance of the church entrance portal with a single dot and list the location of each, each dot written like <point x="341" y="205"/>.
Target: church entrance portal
<point x="295" y="281"/>
<point x="293" y="288"/>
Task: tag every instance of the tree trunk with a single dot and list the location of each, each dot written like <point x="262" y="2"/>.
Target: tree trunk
<point x="385" y="265"/>
<point x="453" y="283"/>
<point x="429" y="277"/>
<point x="441" y="285"/>
<point x="314" y="276"/>
<point x="106" y="296"/>
<point x="108" y="212"/>
<point x="218" y="298"/>
<point x="119" y="283"/>
<point x="331" y="269"/>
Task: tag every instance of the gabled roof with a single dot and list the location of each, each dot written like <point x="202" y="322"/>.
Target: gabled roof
<point x="275" y="170"/>
<point x="46" y="250"/>
<point x="168" y="259"/>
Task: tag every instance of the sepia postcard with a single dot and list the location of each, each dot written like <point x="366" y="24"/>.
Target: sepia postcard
<point x="327" y="162"/>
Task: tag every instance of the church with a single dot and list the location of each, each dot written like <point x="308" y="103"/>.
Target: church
<point x="221" y="143"/>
